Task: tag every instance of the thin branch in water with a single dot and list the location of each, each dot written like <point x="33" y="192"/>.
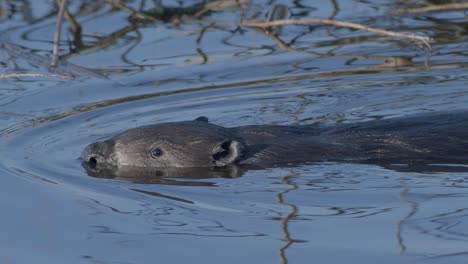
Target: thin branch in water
<point x="388" y="61"/>
<point x="288" y="47"/>
<point x="41" y="61"/>
<point x="204" y="58"/>
<point x="18" y="75"/>
<point x="133" y="12"/>
<point x="75" y="26"/>
<point x="69" y="17"/>
<point x="9" y="58"/>
<point x="337" y="23"/>
<point x="432" y="8"/>
<point x="58" y="27"/>
<point x="221" y="5"/>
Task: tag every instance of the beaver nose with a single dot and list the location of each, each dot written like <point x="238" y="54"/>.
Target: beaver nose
<point x="98" y="153"/>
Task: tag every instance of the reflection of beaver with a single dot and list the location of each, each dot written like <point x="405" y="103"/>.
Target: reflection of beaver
<point x="420" y="139"/>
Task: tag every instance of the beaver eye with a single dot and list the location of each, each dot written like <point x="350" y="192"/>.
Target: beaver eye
<point x="156" y="152"/>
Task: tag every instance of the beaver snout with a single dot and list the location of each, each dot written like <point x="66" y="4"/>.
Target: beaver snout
<point x="99" y="153"/>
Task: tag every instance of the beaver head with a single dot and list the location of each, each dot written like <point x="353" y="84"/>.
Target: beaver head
<point x="194" y="143"/>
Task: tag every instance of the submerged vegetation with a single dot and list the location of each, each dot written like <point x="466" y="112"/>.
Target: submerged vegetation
<point x="270" y="20"/>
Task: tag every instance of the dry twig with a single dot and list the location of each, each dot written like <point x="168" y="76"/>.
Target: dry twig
<point x="58" y="27"/>
<point x="432" y="8"/>
<point x="337" y="23"/>
<point x="18" y="75"/>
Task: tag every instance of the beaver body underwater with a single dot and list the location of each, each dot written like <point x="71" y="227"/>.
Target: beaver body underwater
<point x="421" y="139"/>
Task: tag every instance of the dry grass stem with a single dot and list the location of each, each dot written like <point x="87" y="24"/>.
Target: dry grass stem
<point x="337" y="23"/>
<point x="19" y="75"/>
<point x="139" y="15"/>
<point x="432" y="8"/>
<point x="58" y="27"/>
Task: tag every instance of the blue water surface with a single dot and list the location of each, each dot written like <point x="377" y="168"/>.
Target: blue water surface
<point x="127" y="76"/>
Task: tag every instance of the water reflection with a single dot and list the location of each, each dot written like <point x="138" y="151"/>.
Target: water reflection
<point x="165" y="196"/>
<point x="165" y="175"/>
<point x="288" y="240"/>
<point x="168" y="176"/>
<point x="399" y="228"/>
<point x="447" y="223"/>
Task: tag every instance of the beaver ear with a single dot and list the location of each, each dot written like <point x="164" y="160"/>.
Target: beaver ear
<point x="227" y="152"/>
<point x="202" y="119"/>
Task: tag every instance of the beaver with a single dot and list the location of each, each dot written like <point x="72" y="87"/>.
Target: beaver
<point x="433" y="138"/>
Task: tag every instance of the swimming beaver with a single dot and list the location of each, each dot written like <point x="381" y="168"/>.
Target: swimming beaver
<point x="420" y="139"/>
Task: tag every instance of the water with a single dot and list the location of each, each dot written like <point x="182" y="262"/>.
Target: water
<point x="53" y="212"/>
